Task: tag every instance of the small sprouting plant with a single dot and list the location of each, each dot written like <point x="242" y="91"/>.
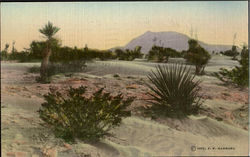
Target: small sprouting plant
<point x="174" y="91"/>
<point x="88" y="119"/>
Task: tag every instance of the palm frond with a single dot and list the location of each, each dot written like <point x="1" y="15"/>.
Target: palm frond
<point x="49" y="30"/>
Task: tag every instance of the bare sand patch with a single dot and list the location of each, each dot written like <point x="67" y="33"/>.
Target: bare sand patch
<point x="218" y="130"/>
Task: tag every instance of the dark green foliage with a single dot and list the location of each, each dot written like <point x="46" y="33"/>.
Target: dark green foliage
<point x="235" y="53"/>
<point x="22" y="56"/>
<point x="116" y="75"/>
<point x="36" y="49"/>
<point x="161" y="54"/>
<point x="173" y="53"/>
<point x="238" y="75"/>
<point x="67" y="54"/>
<point x="33" y="53"/>
<point x="49" y="30"/>
<point x="158" y="54"/>
<point x="4" y="53"/>
<point x="129" y="55"/>
<point x="197" y="56"/>
<point x="232" y="53"/>
<point x="34" y="69"/>
<point x="59" y="54"/>
<point x="174" y="91"/>
<point x="74" y="116"/>
<point x="57" y="68"/>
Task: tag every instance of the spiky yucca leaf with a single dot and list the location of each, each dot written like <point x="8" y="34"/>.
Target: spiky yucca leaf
<point x="174" y="90"/>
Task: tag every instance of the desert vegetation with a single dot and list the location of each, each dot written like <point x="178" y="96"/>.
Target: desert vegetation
<point x="232" y="53"/>
<point x="198" y="56"/>
<point x="174" y="91"/>
<point x="48" y="31"/>
<point x="74" y="115"/>
<point x="103" y="92"/>
<point x="128" y="55"/>
<point x="239" y="75"/>
<point x="162" y="54"/>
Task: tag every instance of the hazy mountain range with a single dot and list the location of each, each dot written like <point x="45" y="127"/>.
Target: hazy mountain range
<point x="175" y="40"/>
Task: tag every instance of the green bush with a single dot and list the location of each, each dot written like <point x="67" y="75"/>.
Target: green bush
<point x="129" y="55"/>
<point x="77" y="117"/>
<point x="238" y="75"/>
<point x="4" y="53"/>
<point x="57" y="68"/>
<point x="174" y="91"/>
<point x="159" y="54"/>
<point x="173" y="53"/>
<point x="162" y="54"/>
<point x="198" y="56"/>
<point x="233" y="52"/>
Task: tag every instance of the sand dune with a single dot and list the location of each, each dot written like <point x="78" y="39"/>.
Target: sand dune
<point x="200" y="135"/>
<point x="146" y="138"/>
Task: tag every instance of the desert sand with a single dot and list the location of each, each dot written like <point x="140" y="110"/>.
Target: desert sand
<point x="220" y="129"/>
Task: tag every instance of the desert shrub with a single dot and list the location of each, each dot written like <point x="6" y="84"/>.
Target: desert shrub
<point x="232" y="53"/>
<point x="173" y="53"/>
<point x="4" y="55"/>
<point x="77" y="117"/>
<point x="239" y="75"/>
<point x="198" y="56"/>
<point x="116" y="75"/>
<point x="129" y="55"/>
<point x="162" y="54"/>
<point x="37" y="49"/>
<point x="57" y="68"/>
<point x="174" y="91"/>
<point x="34" y="69"/>
<point x="159" y="54"/>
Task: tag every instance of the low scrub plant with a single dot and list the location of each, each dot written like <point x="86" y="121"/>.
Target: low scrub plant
<point x="129" y="55"/>
<point x="57" y="68"/>
<point x="174" y="91"/>
<point x="159" y="54"/>
<point x="197" y="56"/>
<point x="75" y="116"/>
<point x="239" y="75"/>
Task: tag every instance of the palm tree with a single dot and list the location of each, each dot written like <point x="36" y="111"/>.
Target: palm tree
<point x="48" y="31"/>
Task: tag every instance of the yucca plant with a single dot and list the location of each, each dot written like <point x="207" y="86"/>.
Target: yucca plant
<point x="174" y="91"/>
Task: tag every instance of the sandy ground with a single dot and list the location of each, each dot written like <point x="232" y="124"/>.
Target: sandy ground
<point x="220" y="129"/>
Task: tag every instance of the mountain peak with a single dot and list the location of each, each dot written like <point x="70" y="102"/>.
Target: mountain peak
<point x="171" y="39"/>
<point x="148" y="32"/>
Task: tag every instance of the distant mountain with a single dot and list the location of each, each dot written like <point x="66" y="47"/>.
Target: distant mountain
<point x="175" y="40"/>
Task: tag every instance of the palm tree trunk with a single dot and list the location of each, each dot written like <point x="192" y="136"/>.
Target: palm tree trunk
<point x="44" y="64"/>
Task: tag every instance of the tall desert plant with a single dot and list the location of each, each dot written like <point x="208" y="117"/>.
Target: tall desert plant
<point x="48" y="31"/>
<point x="174" y="90"/>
